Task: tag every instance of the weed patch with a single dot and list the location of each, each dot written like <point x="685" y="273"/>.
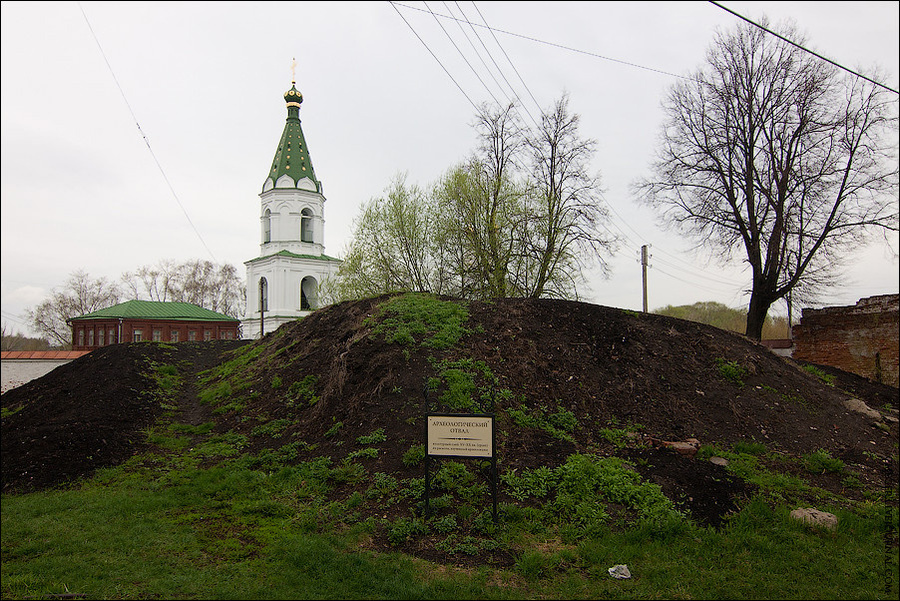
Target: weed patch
<point x="437" y="324"/>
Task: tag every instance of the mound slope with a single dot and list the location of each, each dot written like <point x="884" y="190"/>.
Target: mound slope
<point x="330" y="380"/>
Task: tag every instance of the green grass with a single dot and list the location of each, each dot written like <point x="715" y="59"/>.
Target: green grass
<point x="424" y="319"/>
<point x="559" y="423"/>
<point x="234" y="532"/>
<point x="203" y="517"/>
<point x="264" y="526"/>
<point x="827" y="378"/>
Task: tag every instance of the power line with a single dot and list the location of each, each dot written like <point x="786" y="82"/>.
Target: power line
<point x="478" y="53"/>
<point x="463" y="92"/>
<point x="144" y="136"/>
<point x="691" y="272"/>
<point x="515" y="101"/>
<point x="791" y="42"/>
<point x="554" y="44"/>
<point x="511" y="64"/>
<point x="449" y="37"/>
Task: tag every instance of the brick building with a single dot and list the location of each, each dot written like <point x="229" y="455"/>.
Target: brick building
<point x="863" y="339"/>
<point x="137" y="320"/>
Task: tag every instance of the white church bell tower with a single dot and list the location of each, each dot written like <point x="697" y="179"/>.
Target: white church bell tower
<point x="283" y="282"/>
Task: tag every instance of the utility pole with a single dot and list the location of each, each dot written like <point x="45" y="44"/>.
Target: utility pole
<point x="263" y="301"/>
<point x="644" y="273"/>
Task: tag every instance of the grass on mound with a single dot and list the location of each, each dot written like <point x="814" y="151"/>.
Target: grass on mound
<point x="202" y="517"/>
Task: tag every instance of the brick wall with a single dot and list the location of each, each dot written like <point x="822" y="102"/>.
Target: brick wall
<point x="863" y="339"/>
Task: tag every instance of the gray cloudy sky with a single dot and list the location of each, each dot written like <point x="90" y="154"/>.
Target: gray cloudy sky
<point x="385" y="91"/>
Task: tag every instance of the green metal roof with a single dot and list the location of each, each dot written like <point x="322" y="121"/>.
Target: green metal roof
<point x="287" y="253"/>
<point x="141" y="309"/>
<point x="292" y="156"/>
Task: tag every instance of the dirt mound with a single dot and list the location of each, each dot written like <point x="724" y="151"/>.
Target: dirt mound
<point x="86" y="414"/>
<point x="333" y="378"/>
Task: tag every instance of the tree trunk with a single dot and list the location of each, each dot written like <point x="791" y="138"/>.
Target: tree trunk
<point x="756" y="316"/>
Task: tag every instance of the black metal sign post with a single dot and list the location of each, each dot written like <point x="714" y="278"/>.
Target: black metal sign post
<point x="462" y="436"/>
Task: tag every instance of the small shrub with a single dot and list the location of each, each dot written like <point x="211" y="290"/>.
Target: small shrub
<point x="532" y="483"/>
<point x="367" y="453"/>
<point x="821" y="461"/>
<point x="414" y="455"/>
<point x="558" y="424"/>
<point x="403" y="528"/>
<point x="616" y="436"/>
<point x="453" y="475"/>
<point x="374" y="438"/>
<point x="731" y="370"/>
<point x="827" y="378"/>
<point x="274" y="428"/>
<point x="442" y="502"/>
<point x="383" y="484"/>
<point x="347" y="473"/>
<point x="445" y="524"/>
<point x="304" y="391"/>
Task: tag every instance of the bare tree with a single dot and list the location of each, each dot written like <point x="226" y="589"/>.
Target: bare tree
<point x="153" y="282"/>
<point x="564" y="210"/>
<point x="772" y="155"/>
<point x="202" y="283"/>
<point x="80" y="295"/>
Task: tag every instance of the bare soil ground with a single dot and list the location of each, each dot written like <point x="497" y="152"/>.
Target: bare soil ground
<point x="658" y="376"/>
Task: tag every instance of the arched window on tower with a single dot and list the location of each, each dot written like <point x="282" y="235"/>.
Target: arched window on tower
<point x="306" y="226"/>
<point x="308" y="300"/>
<point x="267" y="226"/>
<point x="263" y="294"/>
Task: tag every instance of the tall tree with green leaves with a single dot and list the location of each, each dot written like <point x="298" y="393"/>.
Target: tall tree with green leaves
<point x="392" y="246"/>
<point x="772" y="156"/>
<point x="520" y="217"/>
<point x="481" y="208"/>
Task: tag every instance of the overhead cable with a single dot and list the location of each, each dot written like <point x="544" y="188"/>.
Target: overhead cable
<point x="411" y="28"/>
<point x="793" y="43"/>
<point x="561" y="46"/>
<point x="144" y="136"/>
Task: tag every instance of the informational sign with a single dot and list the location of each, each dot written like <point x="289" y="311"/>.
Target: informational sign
<point x="460" y="436"/>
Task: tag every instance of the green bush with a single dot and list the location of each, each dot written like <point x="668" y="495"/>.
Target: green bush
<point x="414" y="455"/>
<point x="821" y="461"/>
<point x="374" y="438"/>
<point x="731" y="370"/>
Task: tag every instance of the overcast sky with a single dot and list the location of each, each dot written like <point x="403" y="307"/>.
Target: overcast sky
<point x="156" y="147"/>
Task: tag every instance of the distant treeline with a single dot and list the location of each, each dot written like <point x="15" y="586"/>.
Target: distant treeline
<point x="726" y="318"/>
<point x="19" y="342"/>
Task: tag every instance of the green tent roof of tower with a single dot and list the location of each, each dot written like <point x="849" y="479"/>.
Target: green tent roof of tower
<point x="292" y="156"/>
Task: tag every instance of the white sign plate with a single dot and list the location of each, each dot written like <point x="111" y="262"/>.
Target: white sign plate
<point x="462" y="436"/>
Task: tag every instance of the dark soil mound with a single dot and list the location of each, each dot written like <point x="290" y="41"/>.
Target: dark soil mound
<point x="332" y="382"/>
<point x="87" y="414"/>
